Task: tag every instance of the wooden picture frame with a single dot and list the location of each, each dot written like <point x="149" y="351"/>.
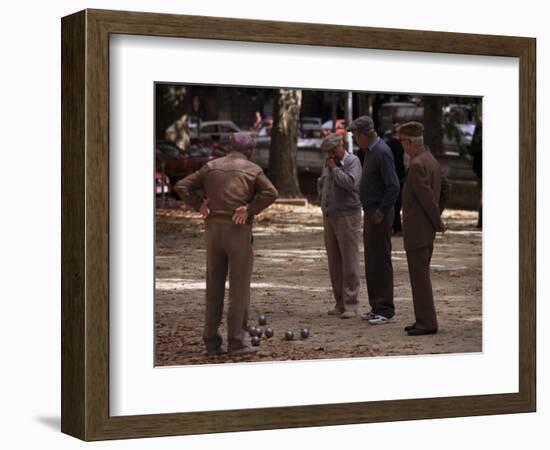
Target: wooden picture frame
<point x="85" y="224"/>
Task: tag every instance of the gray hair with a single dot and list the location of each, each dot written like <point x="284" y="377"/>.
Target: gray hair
<point x="331" y="142"/>
<point x="417" y="141"/>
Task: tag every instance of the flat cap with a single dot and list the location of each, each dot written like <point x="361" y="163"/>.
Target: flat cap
<point x="411" y="129"/>
<point x="362" y="124"/>
<point x="242" y="141"/>
<point x="331" y="142"/>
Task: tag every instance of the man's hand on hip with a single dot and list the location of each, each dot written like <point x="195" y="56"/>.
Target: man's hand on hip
<point x="204" y="209"/>
<point x="241" y="215"/>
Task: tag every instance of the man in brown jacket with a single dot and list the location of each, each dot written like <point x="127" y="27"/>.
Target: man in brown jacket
<point x="424" y="195"/>
<point x="228" y="192"/>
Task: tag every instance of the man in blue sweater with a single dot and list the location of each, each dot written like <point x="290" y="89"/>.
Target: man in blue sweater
<point x="378" y="192"/>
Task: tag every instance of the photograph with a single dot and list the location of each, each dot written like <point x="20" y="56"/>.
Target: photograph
<point x="294" y="223"/>
<point x="318" y="213"/>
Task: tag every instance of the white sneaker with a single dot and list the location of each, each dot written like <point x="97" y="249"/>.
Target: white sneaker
<point x="368" y="315"/>
<point x="348" y="315"/>
<point x="379" y="320"/>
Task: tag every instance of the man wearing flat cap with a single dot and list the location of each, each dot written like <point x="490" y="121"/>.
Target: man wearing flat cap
<point x="338" y="189"/>
<point x="424" y="196"/>
<point x="378" y="192"/>
<point x="228" y="192"/>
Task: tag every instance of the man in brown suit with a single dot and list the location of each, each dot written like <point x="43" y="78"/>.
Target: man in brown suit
<point x="424" y="195"/>
<point x="228" y="192"/>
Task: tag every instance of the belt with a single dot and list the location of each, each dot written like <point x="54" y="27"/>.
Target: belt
<point x="221" y="216"/>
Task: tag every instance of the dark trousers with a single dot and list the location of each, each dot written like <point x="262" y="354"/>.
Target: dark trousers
<point x="418" y="261"/>
<point x="378" y="265"/>
<point x="228" y="249"/>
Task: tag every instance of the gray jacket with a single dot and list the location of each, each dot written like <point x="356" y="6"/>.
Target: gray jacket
<point x="338" y="188"/>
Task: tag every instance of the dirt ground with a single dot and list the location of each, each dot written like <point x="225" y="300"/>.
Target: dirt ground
<point x="291" y="286"/>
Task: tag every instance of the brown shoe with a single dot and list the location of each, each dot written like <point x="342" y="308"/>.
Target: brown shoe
<point x="335" y="312"/>
<point x="420" y="332"/>
<point x="243" y="351"/>
<point x="214" y="352"/>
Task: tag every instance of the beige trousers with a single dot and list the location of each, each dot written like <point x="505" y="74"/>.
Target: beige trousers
<point x="342" y="235"/>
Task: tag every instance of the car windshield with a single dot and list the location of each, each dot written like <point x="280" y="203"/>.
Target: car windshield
<point x="226" y="128"/>
<point x="198" y="150"/>
<point x="168" y="151"/>
<point x="265" y="131"/>
<point x="209" y="129"/>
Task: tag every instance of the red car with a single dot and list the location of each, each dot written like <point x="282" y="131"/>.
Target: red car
<point x="162" y="184"/>
<point x="177" y="164"/>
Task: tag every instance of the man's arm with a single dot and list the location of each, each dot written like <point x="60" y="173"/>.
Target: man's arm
<point x="266" y="194"/>
<point x="445" y="192"/>
<point x="418" y="179"/>
<point x="190" y="188"/>
<point x="349" y="177"/>
<point x="390" y="181"/>
<point x="320" y="181"/>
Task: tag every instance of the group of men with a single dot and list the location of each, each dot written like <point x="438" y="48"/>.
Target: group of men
<point x="229" y="191"/>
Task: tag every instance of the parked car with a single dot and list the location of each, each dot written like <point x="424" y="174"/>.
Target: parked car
<point x="309" y="158"/>
<point x="162" y="184"/>
<point x="178" y="163"/>
<point x="397" y="112"/>
<point x="264" y="131"/>
<point x="457" y="113"/>
<point x="215" y="130"/>
<point x="311" y="127"/>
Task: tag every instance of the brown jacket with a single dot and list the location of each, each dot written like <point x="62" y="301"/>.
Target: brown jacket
<point x="228" y="183"/>
<point x="425" y="193"/>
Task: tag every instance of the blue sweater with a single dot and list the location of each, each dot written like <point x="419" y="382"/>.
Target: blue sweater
<point x="379" y="186"/>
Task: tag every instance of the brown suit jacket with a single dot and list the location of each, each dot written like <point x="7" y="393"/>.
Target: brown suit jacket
<point x="425" y="193"/>
<point x="228" y="183"/>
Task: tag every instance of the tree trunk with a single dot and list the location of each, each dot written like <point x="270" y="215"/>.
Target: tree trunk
<point x="433" y="123"/>
<point x="282" y="170"/>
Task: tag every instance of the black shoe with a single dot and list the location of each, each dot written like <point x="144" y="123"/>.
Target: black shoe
<point x="214" y="352"/>
<point x="420" y="332"/>
<point x="410" y="327"/>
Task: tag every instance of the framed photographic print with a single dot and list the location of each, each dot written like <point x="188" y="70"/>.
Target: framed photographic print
<point x="151" y="100"/>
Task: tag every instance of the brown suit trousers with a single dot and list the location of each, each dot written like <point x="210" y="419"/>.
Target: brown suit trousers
<point x="418" y="261"/>
<point x="228" y="248"/>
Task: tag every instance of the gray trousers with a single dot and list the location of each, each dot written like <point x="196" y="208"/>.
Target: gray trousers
<point x="418" y="261"/>
<point x="228" y="249"/>
<point x="342" y="234"/>
<point x="378" y="264"/>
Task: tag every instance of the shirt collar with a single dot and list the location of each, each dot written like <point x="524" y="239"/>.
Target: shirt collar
<point x="370" y="147"/>
<point x="236" y="154"/>
<point x="420" y="151"/>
